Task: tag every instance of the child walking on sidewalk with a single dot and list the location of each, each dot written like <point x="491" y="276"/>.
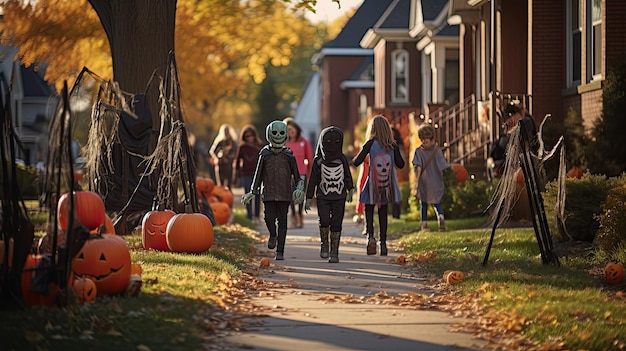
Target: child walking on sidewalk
<point x="381" y="186"/>
<point x="275" y="174"/>
<point x="331" y="183"/>
<point x="429" y="164"/>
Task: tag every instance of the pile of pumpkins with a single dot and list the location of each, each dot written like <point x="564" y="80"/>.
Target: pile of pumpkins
<point x="188" y="232"/>
<point x="219" y="198"/>
<point x="102" y="266"/>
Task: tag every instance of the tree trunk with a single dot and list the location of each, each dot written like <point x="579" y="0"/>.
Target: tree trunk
<point x="141" y="35"/>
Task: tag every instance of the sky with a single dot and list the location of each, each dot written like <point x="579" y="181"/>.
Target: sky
<point x="328" y="11"/>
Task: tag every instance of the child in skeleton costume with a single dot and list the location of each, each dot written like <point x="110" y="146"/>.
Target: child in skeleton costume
<point x="331" y="183"/>
<point x="275" y="174"/>
<point x="381" y="186"/>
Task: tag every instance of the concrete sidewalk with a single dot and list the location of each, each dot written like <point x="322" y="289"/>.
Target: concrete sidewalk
<point x="303" y="318"/>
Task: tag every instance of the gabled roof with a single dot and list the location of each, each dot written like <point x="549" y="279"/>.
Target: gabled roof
<point x="427" y="16"/>
<point x="33" y="84"/>
<point x="393" y="24"/>
<point x="363" y="19"/>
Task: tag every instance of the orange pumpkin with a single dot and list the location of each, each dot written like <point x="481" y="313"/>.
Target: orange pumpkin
<point x="88" y="206"/>
<point x="613" y="273"/>
<point x="265" y="262"/>
<point x="135" y="269"/>
<point x="460" y="172"/>
<point x="106" y="228"/>
<point x="189" y="232"/>
<point x="221" y="212"/>
<point x="85" y="289"/>
<point x="153" y="228"/>
<point x="575" y="172"/>
<point x="224" y="195"/>
<point x="201" y="185"/>
<point x="106" y="260"/>
<point x="210" y="185"/>
<point x="30" y="297"/>
<point x="401" y="259"/>
<point x="451" y="277"/>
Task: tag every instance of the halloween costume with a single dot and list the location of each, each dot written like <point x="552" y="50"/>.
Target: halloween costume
<point x="331" y="183"/>
<point x="275" y="173"/>
<point x="380" y="189"/>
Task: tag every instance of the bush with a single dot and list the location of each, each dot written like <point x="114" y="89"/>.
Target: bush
<point x="612" y="221"/>
<point x="468" y="198"/>
<point x="27" y="182"/>
<point x="584" y="201"/>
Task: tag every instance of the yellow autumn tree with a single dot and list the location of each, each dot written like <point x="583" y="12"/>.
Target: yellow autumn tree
<point x="221" y="46"/>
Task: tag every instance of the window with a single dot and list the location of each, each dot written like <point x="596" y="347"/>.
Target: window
<point x="595" y="39"/>
<point x="452" y="76"/>
<point x="574" y="42"/>
<point x="400" y="76"/>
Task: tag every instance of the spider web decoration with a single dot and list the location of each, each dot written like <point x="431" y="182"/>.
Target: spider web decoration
<point x="505" y="197"/>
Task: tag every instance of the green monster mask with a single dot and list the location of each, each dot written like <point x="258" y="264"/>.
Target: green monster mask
<point x="276" y="134"/>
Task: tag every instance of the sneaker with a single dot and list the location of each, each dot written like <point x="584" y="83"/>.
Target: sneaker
<point x="424" y="225"/>
<point x="280" y="256"/>
<point x="271" y="242"/>
<point x="371" y="247"/>
<point x="442" y="222"/>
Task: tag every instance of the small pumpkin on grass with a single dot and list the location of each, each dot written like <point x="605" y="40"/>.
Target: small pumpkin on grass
<point x="85" y="289"/>
<point x="613" y="273"/>
<point x="452" y="277"/>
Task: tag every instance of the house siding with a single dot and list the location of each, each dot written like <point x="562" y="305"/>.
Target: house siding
<point x="548" y="57"/>
<point x="334" y="105"/>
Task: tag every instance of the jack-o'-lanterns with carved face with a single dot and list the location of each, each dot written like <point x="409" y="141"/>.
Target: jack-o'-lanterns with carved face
<point x="85" y="289"/>
<point x="153" y="228"/>
<point x="104" y="259"/>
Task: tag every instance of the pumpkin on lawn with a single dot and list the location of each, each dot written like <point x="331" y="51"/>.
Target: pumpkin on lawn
<point x="451" y="277"/>
<point x="224" y="195"/>
<point x="575" y="172"/>
<point x="106" y="260"/>
<point x="189" y="232"/>
<point x="221" y="212"/>
<point x="460" y="172"/>
<point x="85" y="289"/>
<point x="30" y="297"/>
<point x="88" y="206"/>
<point x="106" y="228"/>
<point x="153" y="228"/>
<point x="613" y="273"/>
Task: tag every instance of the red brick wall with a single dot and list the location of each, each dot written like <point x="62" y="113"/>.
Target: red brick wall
<point x="614" y="31"/>
<point x="591" y="107"/>
<point x="548" y="58"/>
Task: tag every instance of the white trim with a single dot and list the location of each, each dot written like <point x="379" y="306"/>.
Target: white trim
<point x="345" y="52"/>
<point x="355" y="84"/>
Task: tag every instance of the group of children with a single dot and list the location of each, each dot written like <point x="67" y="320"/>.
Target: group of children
<point x="331" y="184"/>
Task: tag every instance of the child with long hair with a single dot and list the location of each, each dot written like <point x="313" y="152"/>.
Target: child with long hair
<point x="381" y="186"/>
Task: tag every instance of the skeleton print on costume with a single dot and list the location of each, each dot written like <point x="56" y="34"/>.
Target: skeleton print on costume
<point x="382" y="167"/>
<point x="332" y="179"/>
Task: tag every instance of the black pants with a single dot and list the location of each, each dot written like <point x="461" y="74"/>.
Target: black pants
<point x="330" y="213"/>
<point x="276" y="211"/>
<point x="382" y="221"/>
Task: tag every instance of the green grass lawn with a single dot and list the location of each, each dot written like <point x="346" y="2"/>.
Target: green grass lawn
<point x="560" y="307"/>
<point x="186" y="299"/>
